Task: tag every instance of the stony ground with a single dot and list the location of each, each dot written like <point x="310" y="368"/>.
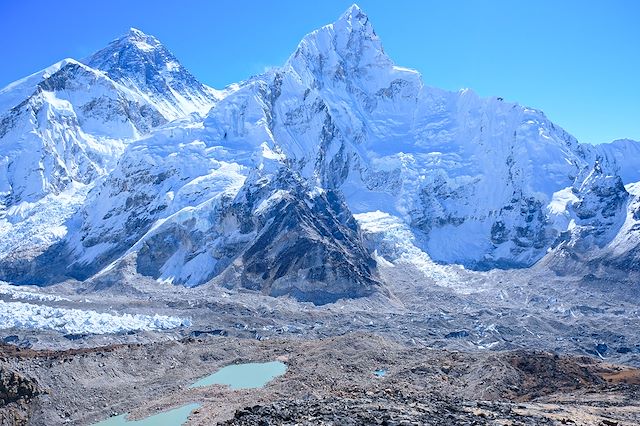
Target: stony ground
<point x="329" y="381"/>
<point x="458" y="347"/>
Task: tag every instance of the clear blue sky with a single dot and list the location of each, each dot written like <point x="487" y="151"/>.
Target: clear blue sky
<point x="578" y="60"/>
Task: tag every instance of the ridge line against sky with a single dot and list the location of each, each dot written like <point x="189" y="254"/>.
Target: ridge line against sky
<point x="575" y="60"/>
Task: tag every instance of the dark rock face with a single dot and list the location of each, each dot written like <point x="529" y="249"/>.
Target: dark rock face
<point x="538" y="372"/>
<point x="277" y="235"/>
<point x="16" y="393"/>
<point x="307" y="246"/>
<point x="602" y="198"/>
<point x="603" y="246"/>
<point x="14" y="387"/>
<point x="303" y="244"/>
<point x="364" y="409"/>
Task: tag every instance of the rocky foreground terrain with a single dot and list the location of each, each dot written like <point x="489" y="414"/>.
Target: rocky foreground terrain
<point x="502" y="347"/>
<point x="329" y="381"/>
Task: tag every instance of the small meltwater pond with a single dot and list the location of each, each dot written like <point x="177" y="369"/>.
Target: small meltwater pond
<point x="244" y="376"/>
<point x="380" y="372"/>
<point x="238" y="376"/>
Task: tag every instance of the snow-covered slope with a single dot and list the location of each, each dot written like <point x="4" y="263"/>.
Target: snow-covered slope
<point x="475" y="175"/>
<point x="16" y="92"/>
<point x="613" y="257"/>
<point x="188" y="212"/>
<point x="63" y="128"/>
<point x="71" y="121"/>
<point x="73" y="127"/>
<point x="625" y="154"/>
<point x="261" y="191"/>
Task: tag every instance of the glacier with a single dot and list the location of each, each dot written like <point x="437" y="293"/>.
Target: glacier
<point x="79" y="321"/>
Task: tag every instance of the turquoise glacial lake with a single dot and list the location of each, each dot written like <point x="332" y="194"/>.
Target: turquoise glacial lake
<point x="244" y="376"/>
<point x="237" y="376"/>
<point x="175" y="417"/>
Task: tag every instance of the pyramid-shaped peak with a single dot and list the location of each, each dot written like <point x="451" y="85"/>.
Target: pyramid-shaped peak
<point x="354" y="19"/>
<point x="139" y="39"/>
<point x="354" y="14"/>
<point x="345" y="46"/>
<point x="124" y="52"/>
<point x="354" y="8"/>
<point x="139" y="58"/>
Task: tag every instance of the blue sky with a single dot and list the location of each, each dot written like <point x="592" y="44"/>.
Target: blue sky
<point x="578" y="60"/>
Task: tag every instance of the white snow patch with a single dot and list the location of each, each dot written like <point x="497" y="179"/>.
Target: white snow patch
<point x="633" y="189"/>
<point x="561" y="199"/>
<point x="271" y="201"/>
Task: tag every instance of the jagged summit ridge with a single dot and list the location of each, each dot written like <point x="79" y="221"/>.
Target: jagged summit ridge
<point x="352" y="26"/>
<point x="132" y="49"/>
<point x="447" y="164"/>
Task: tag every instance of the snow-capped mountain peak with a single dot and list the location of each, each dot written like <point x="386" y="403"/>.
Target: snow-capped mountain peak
<point x="128" y="53"/>
<point x="141" y="63"/>
<point x="355" y="21"/>
<point x="141" y="40"/>
<point x="347" y="51"/>
<point x="14" y="93"/>
<point x="63" y="128"/>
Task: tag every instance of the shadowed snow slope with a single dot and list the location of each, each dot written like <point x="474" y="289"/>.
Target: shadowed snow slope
<point x="262" y="189"/>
